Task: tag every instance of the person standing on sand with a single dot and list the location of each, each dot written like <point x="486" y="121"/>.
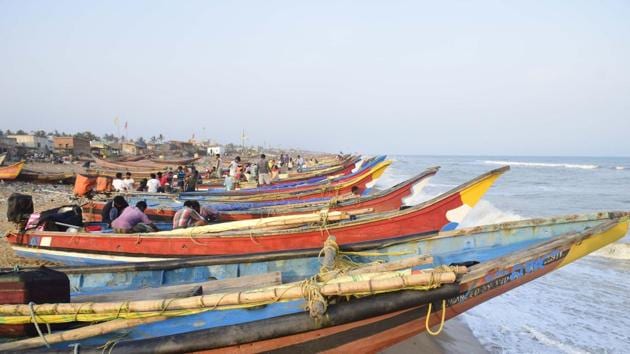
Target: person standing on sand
<point x="153" y="184"/>
<point x="263" y="171"/>
<point x="217" y="166"/>
<point x="181" y="176"/>
<point x="128" y="182"/>
<point x="118" y="183"/>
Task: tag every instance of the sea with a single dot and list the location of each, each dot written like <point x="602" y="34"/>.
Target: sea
<point x="581" y="308"/>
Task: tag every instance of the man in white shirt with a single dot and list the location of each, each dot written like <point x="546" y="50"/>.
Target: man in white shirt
<point x="234" y="166"/>
<point x="118" y="184"/>
<point x="153" y="184"/>
<point x="128" y="182"/>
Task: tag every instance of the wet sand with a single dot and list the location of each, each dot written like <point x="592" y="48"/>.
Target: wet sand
<point x="455" y="338"/>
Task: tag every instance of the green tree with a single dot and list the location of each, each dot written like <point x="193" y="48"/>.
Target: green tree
<point x="20" y="132"/>
<point x="40" y="133"/>
<point x="88" y="135"/>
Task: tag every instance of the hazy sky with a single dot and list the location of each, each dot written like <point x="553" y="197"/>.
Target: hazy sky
<point x="435" y="77"/>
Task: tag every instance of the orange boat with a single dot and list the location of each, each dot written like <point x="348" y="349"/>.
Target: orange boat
<point x="12" y="171"/>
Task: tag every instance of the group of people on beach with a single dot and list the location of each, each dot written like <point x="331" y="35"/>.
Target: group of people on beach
<point x="187" y="179"/>
<point x="182" y="180"/>
<point x="263" y="171"/>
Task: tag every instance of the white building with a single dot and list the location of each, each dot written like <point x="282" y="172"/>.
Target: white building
<point x="213" y="150"/>
<point x="34" y="142"/>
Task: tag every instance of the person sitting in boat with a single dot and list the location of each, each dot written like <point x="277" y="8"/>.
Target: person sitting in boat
<point x="128" y="182"/>
<point x="189" y="215"/>
<point x="134" y="220"/>
<point x="113" y="208"/>
<point x="118" y="183"/>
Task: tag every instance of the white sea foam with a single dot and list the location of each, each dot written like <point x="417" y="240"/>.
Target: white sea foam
<point x="542" y="164"/>
<point x="485" y="213"/>
<point x="554" y="343"/>
<point x="617" y="250"/>
<point x="620" y="167"/>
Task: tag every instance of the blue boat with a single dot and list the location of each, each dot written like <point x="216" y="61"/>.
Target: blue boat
<point x="499" y="257"/>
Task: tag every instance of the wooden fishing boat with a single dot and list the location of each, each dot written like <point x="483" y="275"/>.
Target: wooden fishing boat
<point x="497" y="257"/>
<point x="177" y="162"/>
<point x="12" y="171"/>
<point x="441" y="213"/>
<point x="299" y="186"/>
<point x="128" y="165"/>
<point x="46" y="177"/>
<point x="390" y="199"/>
<point x="313" y="175"/>
<point x="363" y="179"/>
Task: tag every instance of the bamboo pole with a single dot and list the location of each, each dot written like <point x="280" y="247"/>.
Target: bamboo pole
<point x="293" y="291"/>
<point x="79" y="333"/>
<point x="286" y="220"/>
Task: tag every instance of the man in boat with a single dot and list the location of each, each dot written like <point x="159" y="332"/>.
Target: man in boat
<point x="113" y="208"/>
<point x="118" y="183"/>
<point x="128" y="182"/>
<point x="189" y="215"/>
<point x="263" y="171"/>
<point x="134" y="220"/>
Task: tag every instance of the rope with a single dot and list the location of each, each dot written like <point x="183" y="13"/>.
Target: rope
<point x="34" y="320"/>
<point x="426" y="322"/>
<point x="316" y="304"/>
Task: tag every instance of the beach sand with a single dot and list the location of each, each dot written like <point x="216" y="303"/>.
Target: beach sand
<point x="455" y="338"/>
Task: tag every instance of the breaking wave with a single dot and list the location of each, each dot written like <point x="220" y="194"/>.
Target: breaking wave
<point x="542" y="164"/>
<point x="620" y="167"/>
<point x="485" y="213"/>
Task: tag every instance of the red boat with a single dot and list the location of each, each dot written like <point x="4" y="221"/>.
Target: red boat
<point x="389" y="199"/>
<point x="444" y="212"/>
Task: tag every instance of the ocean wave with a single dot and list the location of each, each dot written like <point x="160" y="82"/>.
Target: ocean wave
<point x="485" y="213"/>
<point x="542" y="164"/>
<point x="620" y="167"/>
<point x="553" y="343"/>
<point x="615" y="251"/>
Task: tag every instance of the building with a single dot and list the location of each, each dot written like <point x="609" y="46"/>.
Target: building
<point x="70" y="145"/>
<point x="130" y="148"/>
<point x="9" y="146"/>
<point x="213" y="150"/>
<point x="105" y="149"/>
<point x="32" y="142"/>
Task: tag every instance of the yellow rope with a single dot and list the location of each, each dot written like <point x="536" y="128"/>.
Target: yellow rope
<point x="426" y="322"/>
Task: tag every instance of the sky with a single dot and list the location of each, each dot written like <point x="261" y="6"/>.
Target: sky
<point x="396" y="77"/>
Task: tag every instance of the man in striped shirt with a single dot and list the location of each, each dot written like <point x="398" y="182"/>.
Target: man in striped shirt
<point x="188" y="216"/>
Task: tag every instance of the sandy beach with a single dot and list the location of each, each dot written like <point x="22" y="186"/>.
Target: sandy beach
<point x="455" y="338"/>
